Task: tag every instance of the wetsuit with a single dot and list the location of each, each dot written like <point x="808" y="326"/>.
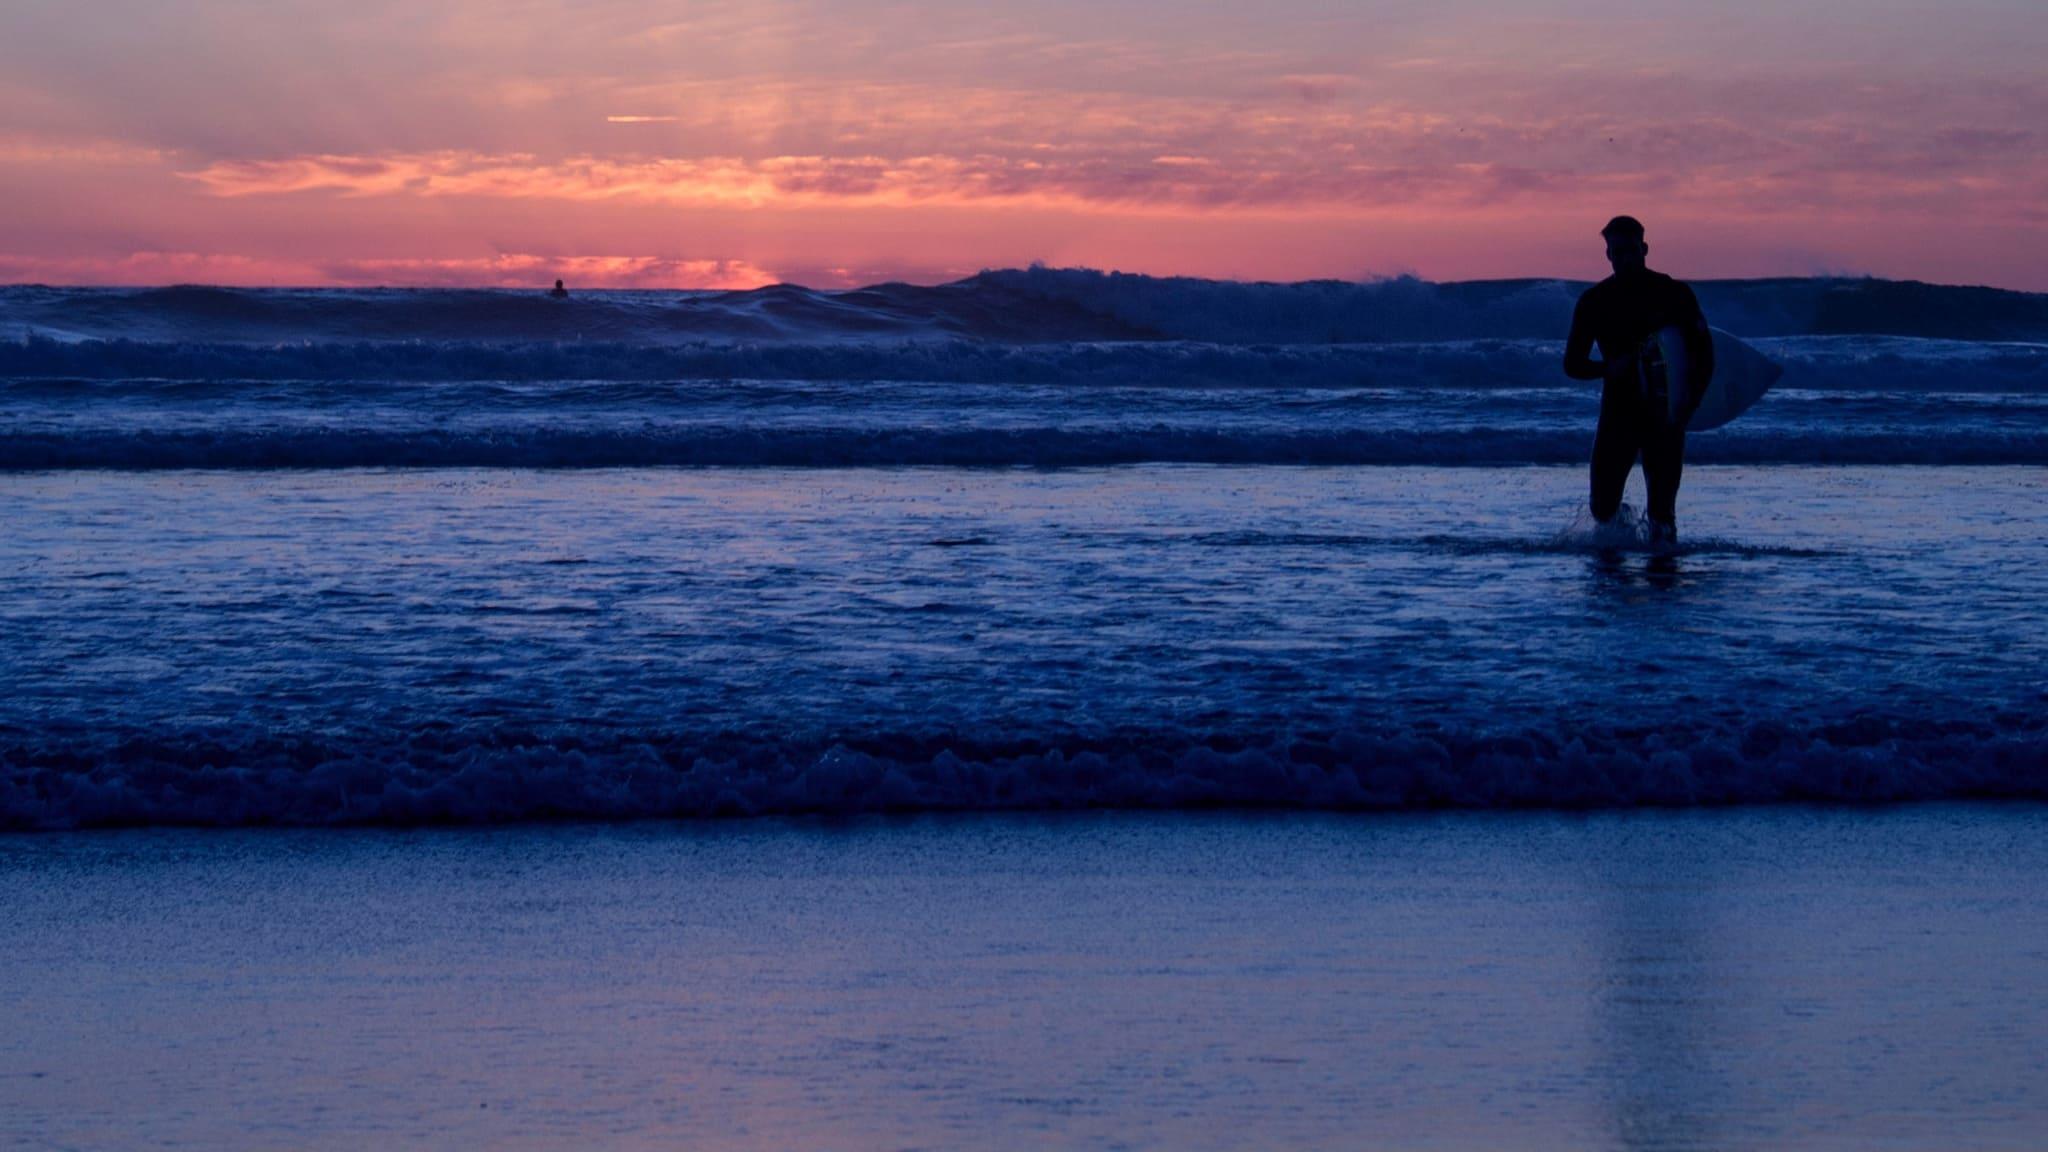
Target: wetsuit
<point x="1619" y="314"/>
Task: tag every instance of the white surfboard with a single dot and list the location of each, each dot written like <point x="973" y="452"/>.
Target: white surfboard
<point x="1741" y="376"/>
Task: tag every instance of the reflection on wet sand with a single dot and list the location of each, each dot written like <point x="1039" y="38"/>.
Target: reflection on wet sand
<point x="1662" y="1041"/>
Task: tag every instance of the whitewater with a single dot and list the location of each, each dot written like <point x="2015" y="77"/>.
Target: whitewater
<point x="1037" y="539"/>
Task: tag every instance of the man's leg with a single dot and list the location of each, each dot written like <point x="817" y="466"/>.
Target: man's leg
<point x="1663" y="467"/>
<point x="1614" y="451"/>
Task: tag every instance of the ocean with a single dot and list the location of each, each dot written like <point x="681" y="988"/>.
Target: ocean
<point x="1053" y="709"/>
<point x="321" y="557"/>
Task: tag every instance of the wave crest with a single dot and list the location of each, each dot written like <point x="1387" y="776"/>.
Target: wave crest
<point x="1821" y="363"/>
<point x="1034" y="305"/>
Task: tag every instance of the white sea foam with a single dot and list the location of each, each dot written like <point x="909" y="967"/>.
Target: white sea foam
<point x="151" y="406"/>
<point x="1838" y="363"/>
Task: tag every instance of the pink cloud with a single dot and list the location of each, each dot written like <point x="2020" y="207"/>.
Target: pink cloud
<point x="508" y="270"/>
<point x="1944" y="173"/>
<point x="145" y="267"/>
<point x="523" y="269"/>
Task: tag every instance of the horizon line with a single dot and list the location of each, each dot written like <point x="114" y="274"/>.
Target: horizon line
<point x="542" y="285"/>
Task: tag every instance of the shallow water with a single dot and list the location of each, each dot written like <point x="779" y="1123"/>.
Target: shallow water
<point x="1783" y="978"/>
<point x="402" y="646"/>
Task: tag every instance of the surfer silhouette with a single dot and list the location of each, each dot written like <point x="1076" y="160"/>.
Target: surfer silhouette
<point x="1622" y="314"/>
<point x="559" y="292"/>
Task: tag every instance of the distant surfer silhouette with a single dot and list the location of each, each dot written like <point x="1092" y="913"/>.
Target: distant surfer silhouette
<point x="559" y="292"/>
<point x="1621" y="314"/>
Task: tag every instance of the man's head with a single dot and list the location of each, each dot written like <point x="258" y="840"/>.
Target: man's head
<point x="1626" y="249"/>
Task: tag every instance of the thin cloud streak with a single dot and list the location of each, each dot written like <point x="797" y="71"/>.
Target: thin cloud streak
<point x="1331" y="182"/>
<point x="508" y="270"/>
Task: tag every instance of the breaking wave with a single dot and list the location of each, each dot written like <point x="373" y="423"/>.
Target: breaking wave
<point x="232" y="378"/>
<point x="1035" y="305"/>
<point x="1834" y="363"/>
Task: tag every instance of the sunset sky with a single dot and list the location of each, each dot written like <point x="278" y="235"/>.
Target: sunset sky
<point x="833" y="142"/>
